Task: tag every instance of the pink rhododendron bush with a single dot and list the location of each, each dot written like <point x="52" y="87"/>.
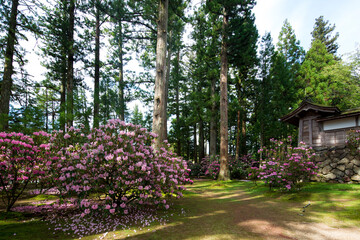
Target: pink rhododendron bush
<point x="110" y="169"/>
<point x="284" y="166"/>
<point x="18" y="165"/>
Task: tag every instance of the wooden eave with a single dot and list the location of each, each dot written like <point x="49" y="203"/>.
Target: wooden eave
<point x="294" y="116"/>
<point x="340" y="116"/>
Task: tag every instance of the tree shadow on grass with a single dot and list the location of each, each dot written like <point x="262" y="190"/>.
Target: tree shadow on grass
<point x="231" y="213"/>
<point x="228" y="210"/>
<point x="33" y="230"/>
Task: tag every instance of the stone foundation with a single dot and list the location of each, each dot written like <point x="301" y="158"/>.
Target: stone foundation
<point x="337" y="164"/>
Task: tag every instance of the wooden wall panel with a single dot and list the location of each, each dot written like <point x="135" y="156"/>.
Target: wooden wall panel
<point x="305" y="132"/>
<point x="316" y="136"/>
<point x="330" y="138"/>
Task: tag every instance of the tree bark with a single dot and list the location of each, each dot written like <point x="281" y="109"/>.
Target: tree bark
<point x="70" y="67"/>
<point x="159" y="115"/>
<point x="63" y="100"/>
<point x="7" y="82"/>
<point x="238" y="133"/>
<point x="243" y="149"/>
<point x="201" y="140"/>
<point x="46" y="110"/>
<point x="167" y="78"/>
<point x="97" y="68"/>
<point x="121" y="110"/>
<point x="195" y="144"/>
<point x="262" y="110"/>
<point x="224" y="173"/>
<point x="213" y="124"/>
<point x="53" y="113"/>
<point x="177" y="97"/>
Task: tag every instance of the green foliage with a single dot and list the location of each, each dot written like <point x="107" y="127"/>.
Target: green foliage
<point x="27" y="119"/>
<point x="239" y="169"/>
<point x="243" y="36"/>
<point x="263" y="85"/>
<point x="137" y="116"/>
<point x="325" y="80"/>
<point x="55" y="52"/>
<point x="323" y="32"/>
<point x="275" y="94"/>
<point x="210" y="166"/>
<point x="83" y="109"/>
<point x="290" y="48"/>
<point x="17" y="23"/>
<point x="289" y="59"/>
<point x="195" y="169"/>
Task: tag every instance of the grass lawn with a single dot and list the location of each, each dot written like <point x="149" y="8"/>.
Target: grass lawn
<point x="221" y="210"/>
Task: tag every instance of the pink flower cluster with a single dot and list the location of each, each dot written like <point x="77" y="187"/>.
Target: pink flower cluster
<point x="284" y="166"/>
<point x="20" y="162"/>
<point x="114" y="163"/>
<point x="353" y="140"/>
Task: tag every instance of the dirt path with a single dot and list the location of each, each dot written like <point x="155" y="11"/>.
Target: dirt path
<point x="218" y="213"/>
<point x="271" y="220"/>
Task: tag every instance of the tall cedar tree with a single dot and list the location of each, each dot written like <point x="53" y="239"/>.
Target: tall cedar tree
<point x="54" y="55"/>
<point x="290" y="48"/>
<point x="159" y="114"/>
<point x="264" y="110"/>
<point x="97" y="66"/>
<point x="174" y="74"/>
<point x="221" y="8"/>
<point x="326" y="80"/>
<point x="70" y="66"/>
<point x="16" y="18"/>
<point x="7" y="82"/>
<point x="312" y="80"/>
<point x="119" y="32"/>
<point x="58" y="53"/>
<point x="224" y="173"/>
<point x="232" y="12"/>
<point x="199" y="74"/>
<point x="323" y="31"/>
<point x="243" y="58"/>
<point x="205" y="71"/>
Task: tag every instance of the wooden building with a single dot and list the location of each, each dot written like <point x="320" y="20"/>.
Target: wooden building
<point x="322" y="126"/>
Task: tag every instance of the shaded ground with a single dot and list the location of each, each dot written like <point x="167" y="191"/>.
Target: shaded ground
<point x="237" y="210"/>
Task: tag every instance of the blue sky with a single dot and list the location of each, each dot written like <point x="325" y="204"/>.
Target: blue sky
<point x="345" y="14"/>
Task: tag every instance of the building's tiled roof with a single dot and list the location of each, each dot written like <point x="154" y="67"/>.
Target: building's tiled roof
<point x="294" y="116"/>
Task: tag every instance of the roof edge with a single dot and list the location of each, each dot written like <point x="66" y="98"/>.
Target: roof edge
<point x="353" y="114"/>
<point x="318" y="107"/>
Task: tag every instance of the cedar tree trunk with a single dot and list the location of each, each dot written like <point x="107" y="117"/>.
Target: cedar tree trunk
<point x="70" y="67"/>
<point x="159" y="115"/>
<point x="7" y="82"/>
<point x="224" y="173"/>
<point x="213" y="124"/>
<point x="97" y="68"/>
